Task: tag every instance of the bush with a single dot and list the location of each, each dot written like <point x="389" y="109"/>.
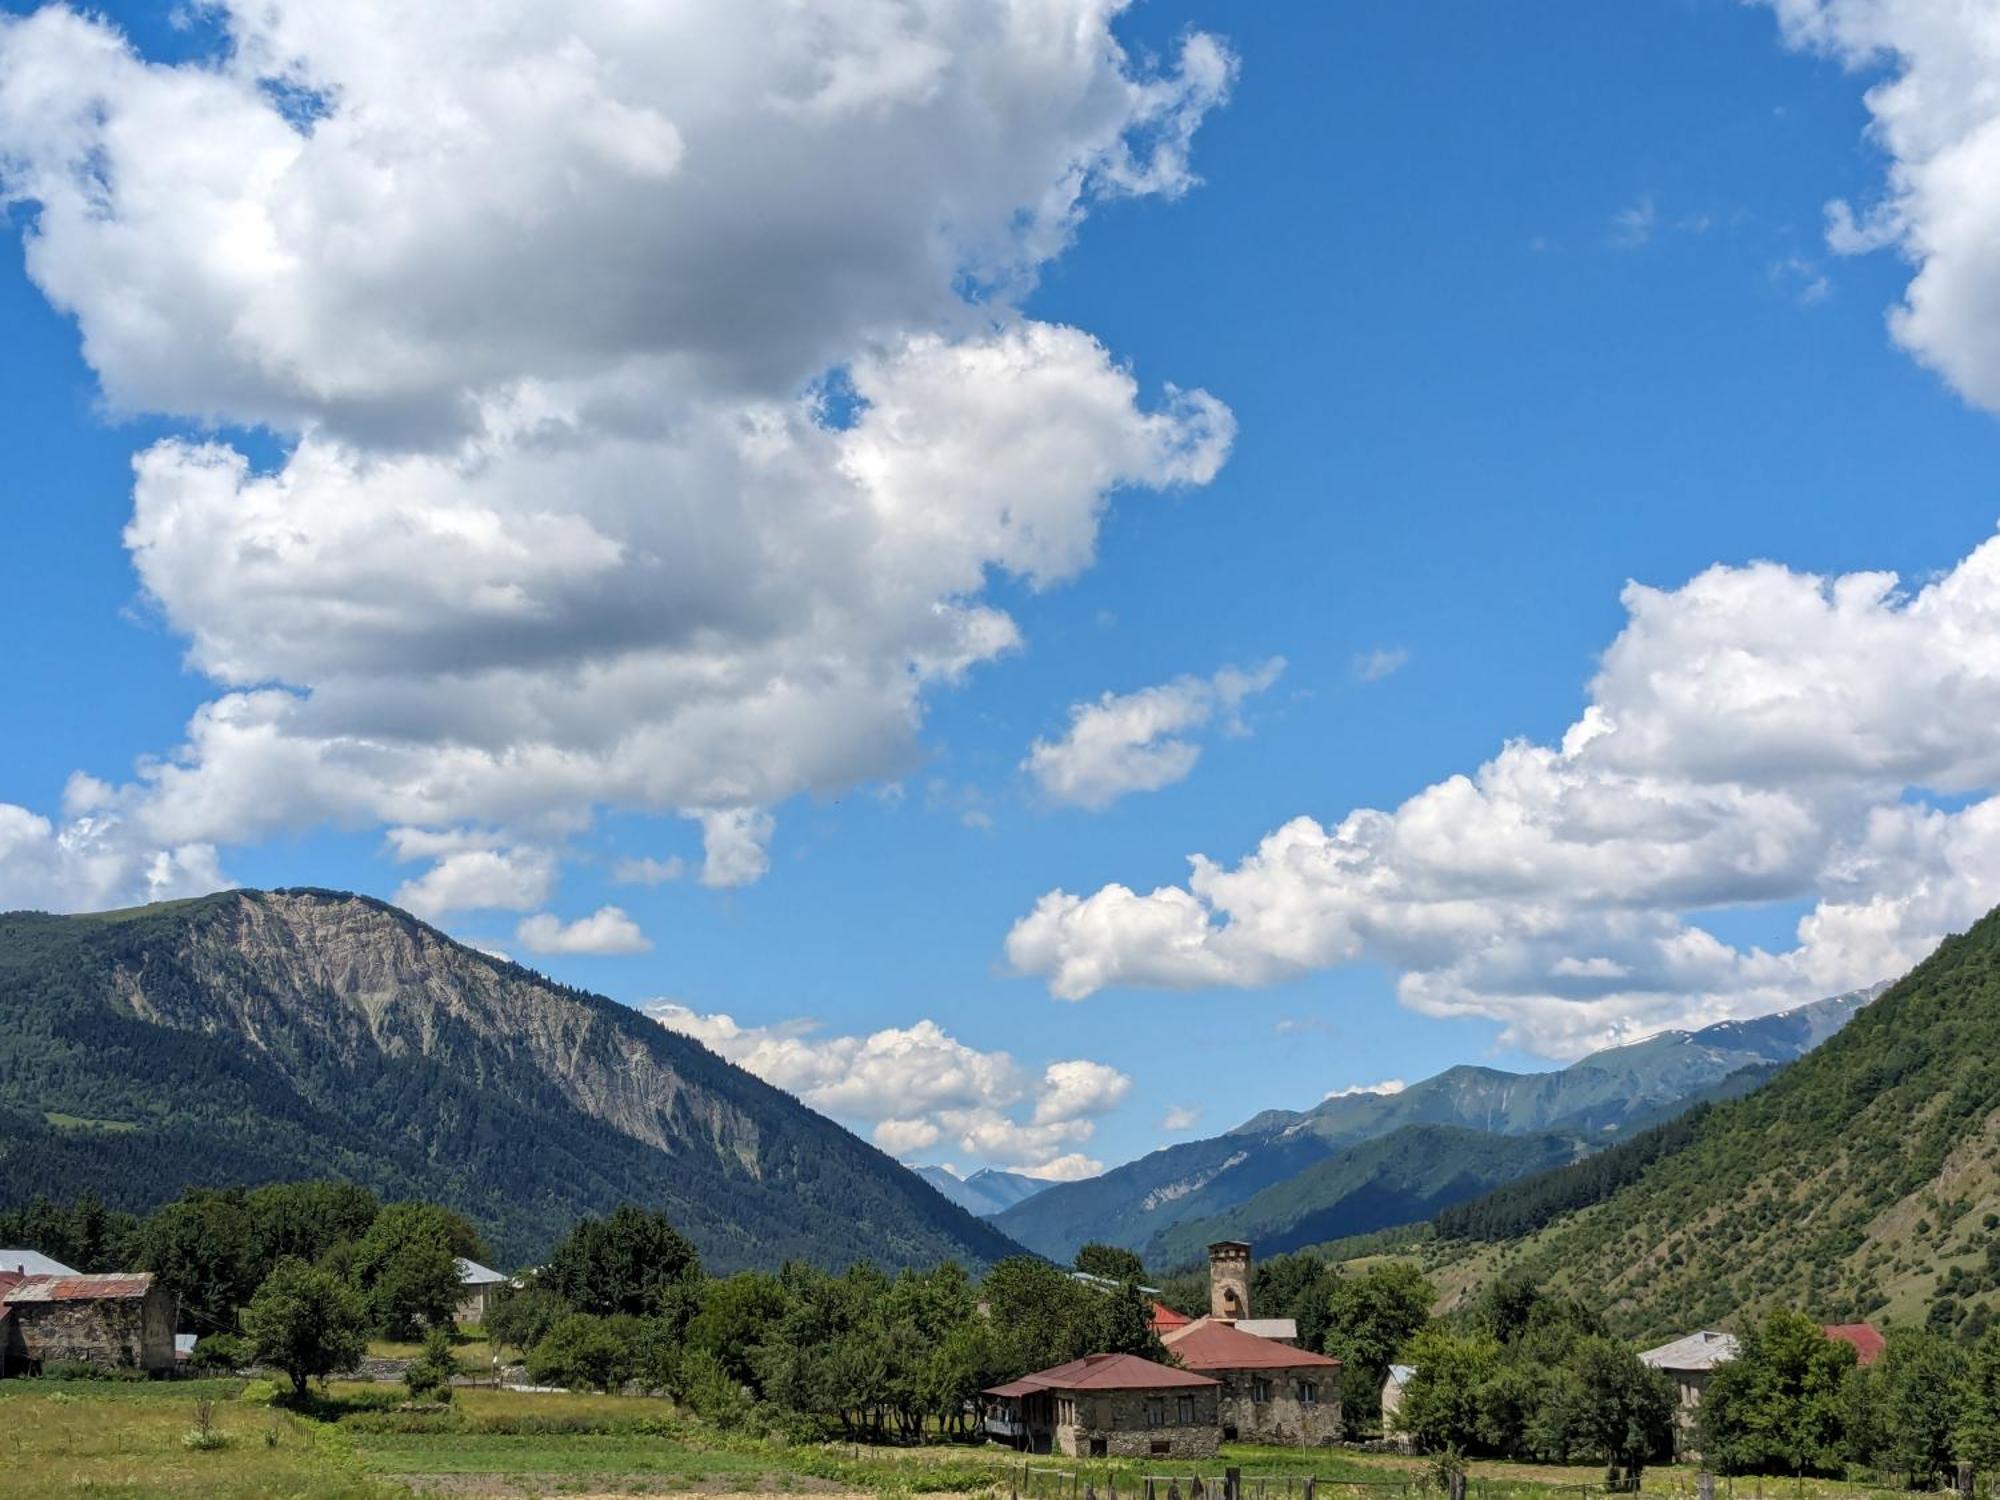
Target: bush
<point x="581" y="1350"/>
<point x="429" y="1376"/>
<point x="219" y="1351"/>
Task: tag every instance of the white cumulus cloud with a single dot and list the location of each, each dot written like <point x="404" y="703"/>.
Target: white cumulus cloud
<point x="1936" y="112"/>
<point x="606" y="930"/>
<point x="910" y="1088"/>
<point x="655" y="404"/>
<point x="1386" y="1086"/>
<point x="1137" y="742"/>
<point x="1756" y="735"/>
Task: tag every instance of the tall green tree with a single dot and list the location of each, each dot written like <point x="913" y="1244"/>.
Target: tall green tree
<point x="1780" y="1406"/>
<point x="306" y="1321"/>
<point x="1921" y="1380"/>
<point x="1112" y="1262"/>
<point x="199" y="1249"/>
<point x="1370" y="1318"/>
<point x="633" y="1261"/>
<point x="1978" y="1434"/>
<point x="407" y="1266"/>
<point x="1443" y="1403"/>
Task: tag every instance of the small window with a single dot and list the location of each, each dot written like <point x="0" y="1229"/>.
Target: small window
<point x="1184" y="1411"/>
<point x="1161" y="1450"/>
<point x="1260" y="1390"/>
<point x="1156" y="1411"/>
<point x="1308" y="1393"/>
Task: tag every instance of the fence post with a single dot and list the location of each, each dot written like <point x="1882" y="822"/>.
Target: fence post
<point x="1458" y="1486"/>
<point x="1704" y="1484"/>
<point x="1232" y="1483"/>
<point x="1965" y="1481"/>
<point x="1149" y="1488"/>
<point x="1311" y="1487"/>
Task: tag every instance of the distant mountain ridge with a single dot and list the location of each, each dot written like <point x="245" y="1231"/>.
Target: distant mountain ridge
<point x="254" y="1036"/>
<point x="1142" y="1204"/>
<point x="986" y="1192"/>
<point x="1862" y="1182"/>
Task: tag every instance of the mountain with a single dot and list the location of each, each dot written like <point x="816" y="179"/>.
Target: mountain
<point x="987" y="1191"/>
<point x="252" y="1036"/>
<point x="1594" y="1099"/>
<point x="1863" y="1181"/>
<point x="1402" y="1177"/>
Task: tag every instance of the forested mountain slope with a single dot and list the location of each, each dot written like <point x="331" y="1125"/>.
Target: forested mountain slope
<point x="1595" y="1099"/>
<point x="1405" y="1176"/>
<point x="1862" y="1181"/>
<point x="250" y="1037"/>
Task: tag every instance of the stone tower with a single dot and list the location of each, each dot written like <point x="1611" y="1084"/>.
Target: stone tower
<point x="1229" y="1280"/>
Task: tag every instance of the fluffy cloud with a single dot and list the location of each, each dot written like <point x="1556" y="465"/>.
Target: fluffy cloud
<point x="656" y="404"/>
<point x="913" y="1087"/>
<point x="1135" y="742"/>
<point x="1181" y="1117"/>
<point x="606" y="930"/>
<point x="648" y="871"/>
<point x="1386" y="1086"/>
<point x="1757" y="735"/>
<point x="1937" y="115"/>
<point x="475" y="879"/>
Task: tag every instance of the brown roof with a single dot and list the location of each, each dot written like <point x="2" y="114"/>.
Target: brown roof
<point x="1868" y="1344"/>
<point x="1209" y="1345"/>
<point x="1103" y="1372"/>
<point x="1164" y="1317"/>
<point x="77" y="1288"/>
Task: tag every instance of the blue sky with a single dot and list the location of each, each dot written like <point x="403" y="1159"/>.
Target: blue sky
<point x="1509" y="306"/>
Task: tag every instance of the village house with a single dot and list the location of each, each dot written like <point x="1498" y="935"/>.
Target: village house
<point x="1393" y="1386"/>
<point x="1271" y="1390"/>
<point x="1107" y="1406"/>
<point x="1692" y="1360"/>
<point x="118" y="1320"/>
<point x="478" y="1287"/>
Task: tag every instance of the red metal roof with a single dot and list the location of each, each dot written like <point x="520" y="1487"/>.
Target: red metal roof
<point x="1209" y="1345"/>
<point x="1868" y="1343"/>
<point x="77" y="1288"/>
<point x="1164" y="1318"/>
<point x="1103" y="1372"/>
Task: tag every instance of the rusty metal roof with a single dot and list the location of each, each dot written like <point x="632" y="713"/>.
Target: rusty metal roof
<point x="78" y="1288"/>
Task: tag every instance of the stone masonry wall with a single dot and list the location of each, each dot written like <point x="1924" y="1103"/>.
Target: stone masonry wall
<point x="1119" y="1418"/>
<point x="129" y="1331"/>
<point x="1284" y="1419"/>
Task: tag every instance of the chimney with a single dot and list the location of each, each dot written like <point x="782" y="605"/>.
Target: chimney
<point x="1229" y="1280"/>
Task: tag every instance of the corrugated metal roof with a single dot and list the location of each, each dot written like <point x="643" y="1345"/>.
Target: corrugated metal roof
<point x="79" y="1288"/>
<point x="1103" y="1372"/>
<point x="1698" y="1351"/>
<point x="1164" y="1318"/>
<point x="34" y="1263"/>
<point x="1209" y="1345"/>
<point x="472" y="1273"/>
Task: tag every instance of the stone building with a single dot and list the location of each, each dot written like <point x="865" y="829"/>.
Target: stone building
<point x="1107" y="1406"/>
<point x="1271" y="1392"/>
<point x="478" y="1289"/>
<point x="1229" y="1280"/>
<point x="104" y="1320"/>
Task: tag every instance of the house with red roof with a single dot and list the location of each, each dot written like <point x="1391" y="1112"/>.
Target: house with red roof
<point x="1867" y="1341"/>
<point x="1271" y="1392"/>
<point x="1107" y="1406"/>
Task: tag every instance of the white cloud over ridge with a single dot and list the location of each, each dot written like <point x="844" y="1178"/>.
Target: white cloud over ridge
<point x="1937" y="115"/>
<point x="1756" y="735"/>
<point x="657" y="407"/>
<point x="913" y="1088"/>
<point x="1139" y="742"/>
<point x="607" y="930"/>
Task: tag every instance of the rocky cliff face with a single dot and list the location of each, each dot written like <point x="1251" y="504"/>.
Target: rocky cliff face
<point x="260" y="1035"/>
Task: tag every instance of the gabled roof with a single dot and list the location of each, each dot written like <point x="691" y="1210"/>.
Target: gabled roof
<point x="1103" y="1372"/>
<point x="1867" y="1341"/>
<point x="1164" y="1318"/>
<point x="77" y="1288"/>
<point x="33" y="1263"/>
<point x="1698" y="1351"/>
<point x="472" y="1273"/>
<point x="1210" y="1345"/>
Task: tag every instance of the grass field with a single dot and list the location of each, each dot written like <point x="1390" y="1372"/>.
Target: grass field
<point x="128" y="1440"/>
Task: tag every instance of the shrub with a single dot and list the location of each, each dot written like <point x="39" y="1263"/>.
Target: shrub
<point x="581" y="1350"/>
<point x="431" y="1373"/>
<point x="219" y="1351"/>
